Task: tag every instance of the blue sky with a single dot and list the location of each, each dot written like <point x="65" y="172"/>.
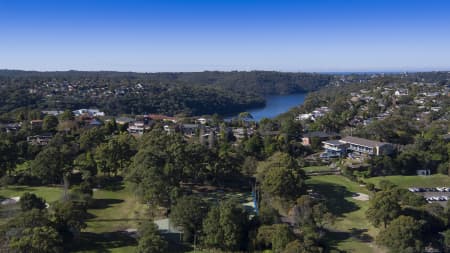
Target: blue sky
<point x="196" y="35"/>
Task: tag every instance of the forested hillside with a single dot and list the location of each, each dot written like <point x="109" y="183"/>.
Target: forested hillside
<point x="167" y="93"/>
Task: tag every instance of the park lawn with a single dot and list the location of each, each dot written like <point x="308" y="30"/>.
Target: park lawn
<point x="116" y="210"/>
<point x="50" y="194"/>
<point x="315" y="168"/>
<point x="436" y="180"/>
<point x="351" y="232"/>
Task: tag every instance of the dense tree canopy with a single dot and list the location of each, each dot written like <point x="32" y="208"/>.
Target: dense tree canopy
<point x="150" y="241"/>
<point x="403" y="235"/>
<point x="188" y="213"/>
<point x="383" y="208"/>
<point x="225" y="227"/>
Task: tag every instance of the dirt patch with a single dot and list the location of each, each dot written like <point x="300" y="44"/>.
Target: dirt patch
<point x="361" y="196"/>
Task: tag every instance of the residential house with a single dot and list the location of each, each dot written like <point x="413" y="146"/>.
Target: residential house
<point x="321" y="136"/>
<point x="242" y="132"/>
<point x="401" y="92"/>
<point x="189" y="129"/>
<point x="162" y="118"/>
<point x="54" y="112"/>
<point x="40" y="140"/>
<point x="124" y="120"/>
<point x="88" y="112"/>
<point x="202" y="121"/>
<point x="305" y="116"/>
<point x="11" y="127"/>
<point x="94" y="123"/>
<point x="36" y="124"/>
<point x="138" y="127"/>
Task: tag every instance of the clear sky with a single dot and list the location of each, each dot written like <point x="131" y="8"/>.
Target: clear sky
<point x="196" y="35"/>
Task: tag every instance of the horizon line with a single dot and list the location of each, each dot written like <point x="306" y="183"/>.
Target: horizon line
<point x="242" y="70"/>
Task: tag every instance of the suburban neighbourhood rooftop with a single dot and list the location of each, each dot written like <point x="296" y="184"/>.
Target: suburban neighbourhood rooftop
<point x="362" y="142"/>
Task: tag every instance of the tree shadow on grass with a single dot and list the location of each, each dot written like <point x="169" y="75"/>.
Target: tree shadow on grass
<point x="114" y="187"/>
<point x="333" y="238"/>
<point x="104" y="203"/>
<point x="175" y="243"/>
<point x="102" y="242"/>
<point x="110" y="183"/>
<point x="361" y="234"/>
<point x="334" y="196"/>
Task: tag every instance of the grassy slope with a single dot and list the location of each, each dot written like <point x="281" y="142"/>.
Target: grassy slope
<point x="115" y="210"/>
<point x="315" y="168"/>
<point x="418" y="181"/>
<point x="351" y="232"/>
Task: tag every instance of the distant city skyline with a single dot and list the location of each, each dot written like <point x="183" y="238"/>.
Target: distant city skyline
<point x="199" y="35"/>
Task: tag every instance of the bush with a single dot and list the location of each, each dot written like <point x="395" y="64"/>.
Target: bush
<point x="30" y="201"/>
<point x="370" y="187"/>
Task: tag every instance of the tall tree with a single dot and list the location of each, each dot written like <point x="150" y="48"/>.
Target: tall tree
<point x="48" y="165"/>
<point x="225" y="227"/>
<point x="69" y="218"/>
<point x="188" y="213"/>
<point x="402" y="235"/>
<point x="50" y="123"/>
<point x="38" y="240"/>
<point x="150" y="241"/>
<point x="383" y="208"/>
<point x="284" y="180"/>
<point x="8" y="155"/>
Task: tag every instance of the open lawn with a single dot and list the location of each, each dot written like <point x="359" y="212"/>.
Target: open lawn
<point x="315" y="168"/>
<point x="414" y="181"/>
<point x="50" y="194"/>
<point x="115" y="210"/>
<point x="351" y="231"/>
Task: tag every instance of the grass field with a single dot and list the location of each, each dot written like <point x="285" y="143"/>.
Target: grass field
<point x="114" y="211"/>
<point x="315" y="168"/>
<point x="50" y="194"/>
<point x="414" y="181"/>
<point x="351" y="231"/>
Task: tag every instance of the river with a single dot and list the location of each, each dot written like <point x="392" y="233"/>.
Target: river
<point x="276" y="105"/>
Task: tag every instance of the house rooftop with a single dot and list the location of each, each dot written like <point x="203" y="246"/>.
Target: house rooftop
<point x="320" y="134"/>
<point x="333" y="142"/>
<point x="362" y="141"/>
